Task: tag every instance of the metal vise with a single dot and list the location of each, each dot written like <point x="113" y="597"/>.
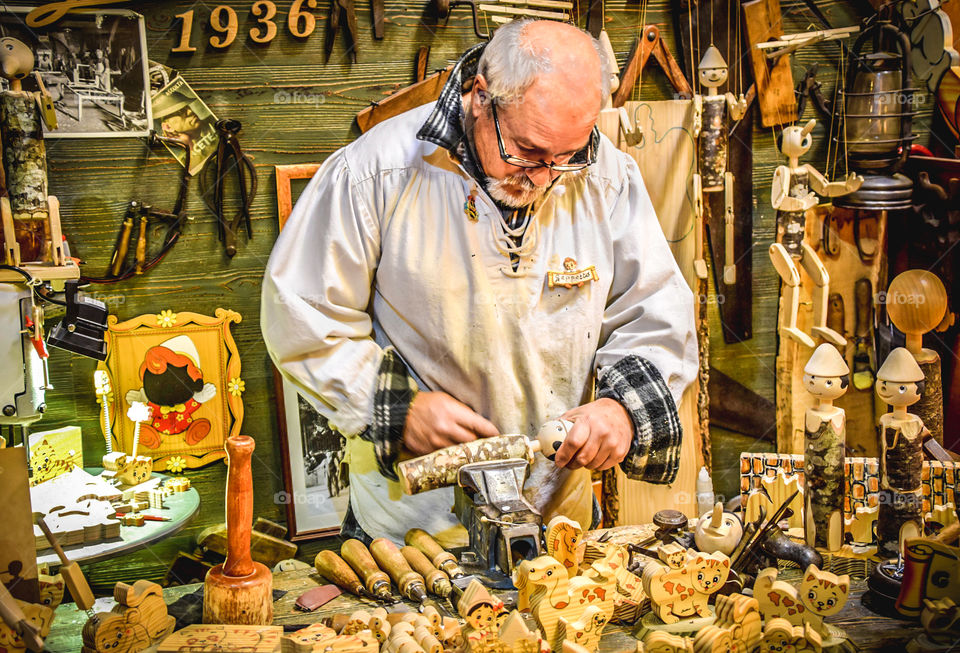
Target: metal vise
<point x="504" y="527"/>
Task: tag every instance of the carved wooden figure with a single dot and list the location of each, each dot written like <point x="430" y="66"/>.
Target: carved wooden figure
<point x="518" y="638"/>
<point x="223" y="637"/>
<point x="916" y="303"/>
<point x="795" y="189"/>
<point x="931" y="570"/>
<point x="630" y="594"/>
<point x="138" y="621"/>
<point x="677" y="594"/>
<point x="899" y="384"/>
<point x="134" y="469"/>
<point x="32" y="621"/>
<point x="317" y="638"/>
<point x="31" y="220"/>
<point x="820" y="594"/>
<point x="781" y="635"/>
<point x="826" y="376"/>
<point x="658" y="641"/>
<point x="718" y="531"/>
<point x="561" y="596"/>
<point x="563" y="538"/>
<point x="712" y="118"/>
<point x="586" y="630"/>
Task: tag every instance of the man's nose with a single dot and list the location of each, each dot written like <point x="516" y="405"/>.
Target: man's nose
<point x="540" y="176"/>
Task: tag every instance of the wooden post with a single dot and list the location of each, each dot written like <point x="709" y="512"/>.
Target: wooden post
<point x="25" y="169"/>
<point x="239" y="591"/>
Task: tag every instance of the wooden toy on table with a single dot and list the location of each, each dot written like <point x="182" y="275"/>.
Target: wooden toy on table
<point x="931" y="570"/>
<point x="718" y="531"/>
<point x="138" y="621"/>
<point x="820" y="594"/>
<point x="899" y="384"/>
<point x="682" y="593"/>
<point x="23" y="625"/>
<point x="781" y="635"/>
<point x="827" y="377"/>
<point x="134" y="469"/>
<point x="223" y="637"/>
<point x="563" y="538"/>
<point x="586" y="630"/>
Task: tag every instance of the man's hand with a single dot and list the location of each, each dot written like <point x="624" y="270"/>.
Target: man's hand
<point x="600" y="437"/>
<point x="437" y="420"/>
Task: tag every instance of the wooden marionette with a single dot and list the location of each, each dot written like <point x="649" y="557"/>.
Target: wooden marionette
<point x="899" y="384"/>
<point x="827" y="377"/>
<point x="795" y="190"/>
<point x="31" y="218"/>
<point x="711" y="124"/>
<point x="916" y="303"/>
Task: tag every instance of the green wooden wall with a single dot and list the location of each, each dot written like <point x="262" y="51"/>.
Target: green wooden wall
<point x="95" y="179"/>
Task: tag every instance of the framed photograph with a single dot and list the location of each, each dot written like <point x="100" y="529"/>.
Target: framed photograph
<point x="94" y="65"/>
<point x="186" y="368"/>
<point x="316" y="480"/>
<point x="179" y="113"/>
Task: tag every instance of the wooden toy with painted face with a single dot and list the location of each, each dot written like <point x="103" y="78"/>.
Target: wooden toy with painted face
<point x="826" y="377"/>
<point x="899" y="384"/>
<point x="551" y="435"/>
<point x="821" y="594"/>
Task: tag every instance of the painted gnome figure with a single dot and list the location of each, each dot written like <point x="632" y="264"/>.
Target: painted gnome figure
<point x="173" y="387"/>
<point x="899" y="384"/>
<point x="31" y="223"/>
<point x="711" y="124"/>
<point x="827" y="377"/>
<point x="795" y="189"/>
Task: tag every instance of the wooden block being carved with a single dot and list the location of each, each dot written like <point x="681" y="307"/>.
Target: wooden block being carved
<point x="775" y="95"/>
<point x="563" y="538"/>
<point x="556" y="595"/>
<point x="820" y="594"/>
<point x="138" y="621"/>
<point x="677" y="594"/>
<point x="222" y="637"/>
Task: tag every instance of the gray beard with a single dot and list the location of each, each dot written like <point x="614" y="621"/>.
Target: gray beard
<point x="529" y="193"/>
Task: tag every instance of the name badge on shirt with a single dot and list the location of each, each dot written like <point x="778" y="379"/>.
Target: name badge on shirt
<point x="571" y="276"/>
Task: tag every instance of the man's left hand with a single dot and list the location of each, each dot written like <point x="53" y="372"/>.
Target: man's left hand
<point x="600" y="437"/>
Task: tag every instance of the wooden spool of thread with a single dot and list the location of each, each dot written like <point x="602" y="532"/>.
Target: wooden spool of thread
<point x="239" y="591"/>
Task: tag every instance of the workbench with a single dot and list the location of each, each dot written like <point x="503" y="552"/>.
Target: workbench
<point x="870" y="632"/>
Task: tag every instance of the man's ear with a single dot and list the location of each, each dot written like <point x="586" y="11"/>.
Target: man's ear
<point x="479" y="96"/>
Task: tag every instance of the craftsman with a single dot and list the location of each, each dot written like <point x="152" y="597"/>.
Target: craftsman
<point x="425" y="289"/>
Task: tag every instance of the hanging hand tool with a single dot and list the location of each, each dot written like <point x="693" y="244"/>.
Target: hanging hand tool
<point x="334" y="569"/>
<point x="229" y="157"/>
<point x="123" y="240"/>
<point x="862" y="367"/>
<point x="377" y="6"/>
<point x="810" y="87"/>
<point x="359" y="558"/>
<point x="410" y="583"/>
<point x="342" y="10"/>
<point x="836" y="314"/>
<point x="438" y="583"/>
<point x="441" y="559"/>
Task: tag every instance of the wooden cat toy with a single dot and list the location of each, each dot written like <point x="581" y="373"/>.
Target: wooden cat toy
<point x="718" y="531"/>
<point x="223" y="637"/>
<point x="677" y="594"/>
<point x="317" y="638"/>
<point x="629" y="586"/>
<point x="713" y="114"/>
<point x="23" y="625"/>
<point x="899" y="384"/>
<point x="135" y="469"/>
<point x="564" y="542"/>
<point x="586" y="630"/>
<point x="795" y="189"/>
<point x="553" y="594"/>
<point x="827" y="377"/>
<point x="780" y="635"/>
<point x="658" y="641"/>
<point x="138" y="621"/>
<point x="820" y="594"/>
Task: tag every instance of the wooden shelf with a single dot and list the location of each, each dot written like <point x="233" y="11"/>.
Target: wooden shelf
<point x="44" y="271"/>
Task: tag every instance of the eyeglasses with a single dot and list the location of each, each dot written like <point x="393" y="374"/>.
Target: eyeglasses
<point x="520" y="162"/>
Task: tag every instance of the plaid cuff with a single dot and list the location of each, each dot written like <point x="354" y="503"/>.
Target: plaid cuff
<point x="391" y="401"/>
<point x="654" y="454"/>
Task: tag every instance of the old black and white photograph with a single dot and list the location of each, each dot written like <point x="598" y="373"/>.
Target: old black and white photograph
<point x="316" y="478"/>
<point x="94" y="67"/>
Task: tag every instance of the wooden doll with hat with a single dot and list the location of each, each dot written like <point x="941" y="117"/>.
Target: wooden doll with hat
<point x="899" y="384"/>
<point x="711" y="124"/>
<point x="827" y="377"/>
<point x="795" y="189"/>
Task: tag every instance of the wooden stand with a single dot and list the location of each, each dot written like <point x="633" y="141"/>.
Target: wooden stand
<point x="240" y="591"/>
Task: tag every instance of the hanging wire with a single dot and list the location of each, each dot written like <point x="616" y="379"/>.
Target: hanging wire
<point x="643" y="24"/>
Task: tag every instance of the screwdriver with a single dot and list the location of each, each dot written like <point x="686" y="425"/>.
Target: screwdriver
<point x="358" y="557"/>
<point x="409" y="582"/>
<point x="441" y="559"/>
<point x="334" y="569"/>
<point x="437" y="581"/>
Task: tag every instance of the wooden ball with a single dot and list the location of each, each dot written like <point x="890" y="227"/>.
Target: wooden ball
<point x="916" y="301"/>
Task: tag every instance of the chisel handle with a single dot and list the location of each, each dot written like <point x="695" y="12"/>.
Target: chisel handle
<point x="358" y="557"/>
<point x="120" y="249"/>
<point x="441" y="559"/>
<point x="390" y="559"/>
<point x="437" y="581"/>
<point x="334" y="569"/>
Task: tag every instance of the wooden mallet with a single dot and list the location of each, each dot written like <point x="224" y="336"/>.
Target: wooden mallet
<point x="239" y="591"/>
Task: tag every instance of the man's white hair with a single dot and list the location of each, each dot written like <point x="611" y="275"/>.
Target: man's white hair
<point x="511" y="65"/>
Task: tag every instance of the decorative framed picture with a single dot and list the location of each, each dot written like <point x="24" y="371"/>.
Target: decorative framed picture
<point x="315" y="478"/>
<point x="186" y="368"/>
<point x="94" y="65"/>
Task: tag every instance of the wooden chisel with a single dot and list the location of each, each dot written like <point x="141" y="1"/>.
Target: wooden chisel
<point x="438" y="583"/>
<point x="359" y="558"/>
<point x="410" y="583"/>
<point x="441" y="559"/>
<point x="335" y="569"/>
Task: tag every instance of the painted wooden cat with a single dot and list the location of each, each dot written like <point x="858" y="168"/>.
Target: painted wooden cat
<point x="683" y="593"/>
<point x="780" y="635"/>
<point x="821" y="594"/>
